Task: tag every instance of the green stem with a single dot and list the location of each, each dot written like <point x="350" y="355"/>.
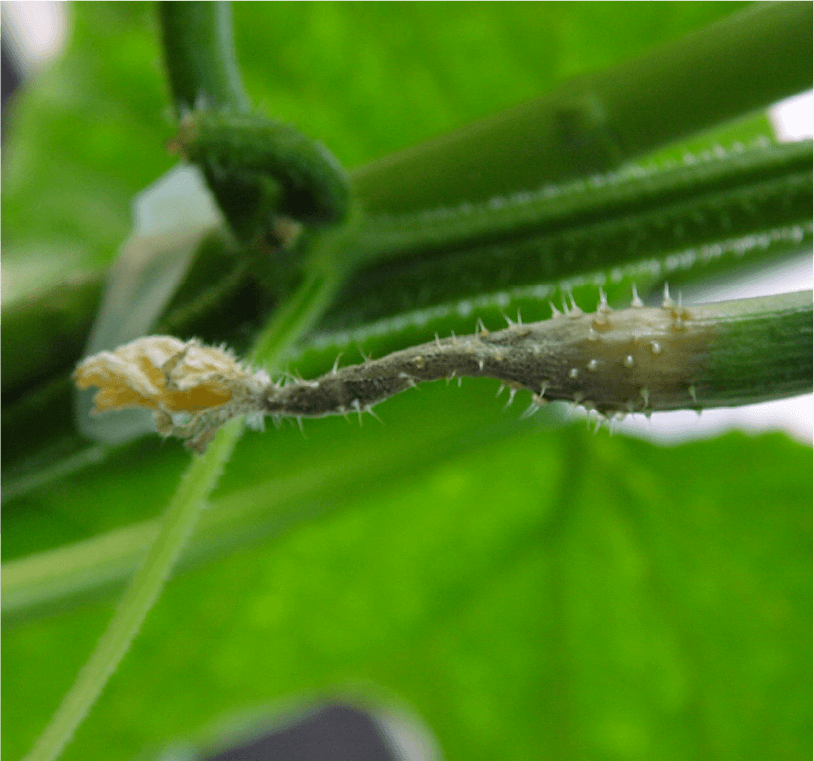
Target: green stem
<point x="598" y="121"/>
<point x="142" y="593"/>
<point x="294" y="320"/>
<point x="708" y="210"/>
<point x="715" y="186"/>
<point x="201" y="62"/>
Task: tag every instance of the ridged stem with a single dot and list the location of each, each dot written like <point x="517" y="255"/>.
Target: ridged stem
<point x="669" y="215"/>
<point x="703" y="183"/>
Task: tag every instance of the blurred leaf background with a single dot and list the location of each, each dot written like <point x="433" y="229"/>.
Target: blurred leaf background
<point x="526" y="588"/>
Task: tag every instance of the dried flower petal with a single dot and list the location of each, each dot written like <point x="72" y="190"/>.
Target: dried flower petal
<point x="183" y="382"/>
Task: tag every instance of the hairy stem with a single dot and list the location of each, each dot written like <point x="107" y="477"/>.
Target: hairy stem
<point x="725" y="184"/>
<point x="711" y="210"/>
<point x="640" y="359"/>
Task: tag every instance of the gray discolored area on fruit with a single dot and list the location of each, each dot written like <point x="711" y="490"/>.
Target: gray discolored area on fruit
<point x="638" y="359"/>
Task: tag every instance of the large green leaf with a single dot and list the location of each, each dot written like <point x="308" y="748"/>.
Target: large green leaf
<point x="527" y="589"/>
<point x="596" y="597"/>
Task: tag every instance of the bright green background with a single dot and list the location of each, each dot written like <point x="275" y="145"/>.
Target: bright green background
<point x="528" y="590"/>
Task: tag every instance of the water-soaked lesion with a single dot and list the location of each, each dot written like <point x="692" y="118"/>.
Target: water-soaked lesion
<point x="632" y="360"/>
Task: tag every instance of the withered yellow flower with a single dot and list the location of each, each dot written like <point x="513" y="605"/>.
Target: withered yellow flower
<point x="193" y="389"/>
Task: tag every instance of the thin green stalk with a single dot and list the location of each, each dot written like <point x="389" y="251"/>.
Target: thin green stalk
<point x="140" y="596"/>
<point x="200" y="56"/>
<point x="294" y="320"/>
